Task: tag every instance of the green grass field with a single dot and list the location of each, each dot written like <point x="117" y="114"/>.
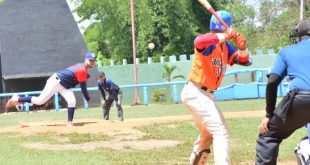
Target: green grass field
<point x="243" y="134"/>
<point x="154" y="110"/>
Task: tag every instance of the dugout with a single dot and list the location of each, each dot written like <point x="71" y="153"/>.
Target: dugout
<point x="38" y="38"/>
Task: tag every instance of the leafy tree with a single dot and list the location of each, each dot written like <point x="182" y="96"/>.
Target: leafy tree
<point x="168" y="71"/>
<point x="112" y="27"/>
<point x="243" y="20"/>
<point x="95" y="42"/>
<point x="175" y="28"/>
<point x="275" y="33"/>
<point x="167" y="76"/>
<point x="170" y="26"/>
<point x="268" y="11"/>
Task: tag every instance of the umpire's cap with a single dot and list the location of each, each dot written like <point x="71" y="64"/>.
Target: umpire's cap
<point x="101" y="74"/>
<point x="303" y="28"/>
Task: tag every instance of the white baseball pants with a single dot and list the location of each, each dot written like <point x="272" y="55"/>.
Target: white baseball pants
<point x="53" y="86"/>
<point x="209" y="121"/>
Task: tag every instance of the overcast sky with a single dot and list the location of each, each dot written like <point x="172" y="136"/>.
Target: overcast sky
<point x="82" y="25"/>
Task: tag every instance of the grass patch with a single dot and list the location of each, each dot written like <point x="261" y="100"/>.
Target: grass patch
<point x="243" y="132"/>
<point x="60" y="138"/>
<point x="12" y="119"/>
<point x="76" y="138"/>
<point x="182" y="130"/>
<point x="72" y="138"/>
<point x="243" y="138"/>
<point x="242" y="105"/>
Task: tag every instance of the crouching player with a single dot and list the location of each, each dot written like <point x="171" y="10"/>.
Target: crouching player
<point x="114" y="94"/>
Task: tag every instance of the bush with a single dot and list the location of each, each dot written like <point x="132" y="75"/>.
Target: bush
<point x="158" y="95"/>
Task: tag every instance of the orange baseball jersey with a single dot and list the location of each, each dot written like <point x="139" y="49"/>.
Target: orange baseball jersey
<point x="209" y="66"/>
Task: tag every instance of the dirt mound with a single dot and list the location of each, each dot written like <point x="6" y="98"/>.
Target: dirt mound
<point x="110" y="127"/>
<point x="115" y="145"/>
<point x="124" y="134"/>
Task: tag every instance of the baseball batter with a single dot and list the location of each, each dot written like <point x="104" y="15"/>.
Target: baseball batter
<point x="212" y="53"/>
<point x="62" y="82"/>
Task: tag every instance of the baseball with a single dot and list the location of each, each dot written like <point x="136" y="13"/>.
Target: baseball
<point x="151" y="45"/>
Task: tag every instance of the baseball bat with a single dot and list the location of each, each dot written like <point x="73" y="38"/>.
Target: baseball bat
<point x="207" y="5"/>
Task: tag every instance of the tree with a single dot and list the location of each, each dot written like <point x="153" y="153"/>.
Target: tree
<point x="243" y="20"/>
<point x="170" y="25"/>
<point x="95" y="42"/>
<point x="112" y="27"/>
<point x="275" y="33"/>
<point x="268" y="11"/>
<point x="168" y="71"/>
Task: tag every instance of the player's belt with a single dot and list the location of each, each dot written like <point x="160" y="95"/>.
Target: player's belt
<point x="206" y="89"/>
<point x="57" y="78"/>
<point x="201" y="87"/>
<point x="61" y="83"/>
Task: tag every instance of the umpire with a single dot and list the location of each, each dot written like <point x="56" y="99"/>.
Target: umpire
<point x="293" y="111"/>
<point x="114" y="94"/>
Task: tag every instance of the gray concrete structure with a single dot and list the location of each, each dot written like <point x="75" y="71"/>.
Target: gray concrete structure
<point x="37" y="38"/>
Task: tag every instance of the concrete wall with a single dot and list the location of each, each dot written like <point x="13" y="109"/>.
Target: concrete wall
<point x="152" y="73"/>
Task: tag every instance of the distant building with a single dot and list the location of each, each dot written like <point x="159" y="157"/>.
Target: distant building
<point x="37" y="38"/>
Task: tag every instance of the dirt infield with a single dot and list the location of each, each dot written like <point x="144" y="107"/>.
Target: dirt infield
<point x="111" y="127"/>
<point x="123" y="134"/>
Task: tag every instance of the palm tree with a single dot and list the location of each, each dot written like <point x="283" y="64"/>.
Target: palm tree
<point x="168" y="73"/>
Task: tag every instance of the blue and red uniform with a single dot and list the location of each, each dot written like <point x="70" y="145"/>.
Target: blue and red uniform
<point x="76" y="74"/>
<point x="62" y="82"/>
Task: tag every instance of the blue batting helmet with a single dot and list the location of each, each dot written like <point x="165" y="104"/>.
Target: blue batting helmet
<point x="217" y="25"/>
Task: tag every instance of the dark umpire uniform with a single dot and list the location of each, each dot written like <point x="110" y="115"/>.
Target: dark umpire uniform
<point x="114" y="94"/>
<point x="293" y="111"/>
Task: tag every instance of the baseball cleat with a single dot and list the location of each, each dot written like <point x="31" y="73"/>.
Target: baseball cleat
<point x="12" y="102"/>
<point x="69" y="124"/>
<point x="201" y="158"/>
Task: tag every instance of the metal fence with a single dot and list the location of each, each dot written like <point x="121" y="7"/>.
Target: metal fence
<point x="228" y="92"/>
